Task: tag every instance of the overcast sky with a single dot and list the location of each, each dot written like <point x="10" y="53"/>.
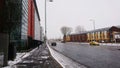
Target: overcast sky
<point x="79" y="12"/>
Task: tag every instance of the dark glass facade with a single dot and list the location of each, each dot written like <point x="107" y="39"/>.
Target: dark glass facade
<point x="19" y="14"/>
<point x="24" y="22"/>
<point x="14" y="18"/>
<point x="11" y="15"/>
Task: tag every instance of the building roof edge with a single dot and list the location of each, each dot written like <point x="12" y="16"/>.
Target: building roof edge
<point x="36" y="8"/>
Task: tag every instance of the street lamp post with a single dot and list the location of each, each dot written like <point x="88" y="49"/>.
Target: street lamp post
<point x="93" y="23"/>
<point x="93" y="26"/>
<point x="46" y="18"/>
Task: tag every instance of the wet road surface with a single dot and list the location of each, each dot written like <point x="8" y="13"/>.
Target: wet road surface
<point x="91" y="56"/>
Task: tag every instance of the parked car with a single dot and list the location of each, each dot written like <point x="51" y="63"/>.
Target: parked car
<point x="53" y="43"/>
<point x="62" y="41"/>
<point x="94" y="43"/>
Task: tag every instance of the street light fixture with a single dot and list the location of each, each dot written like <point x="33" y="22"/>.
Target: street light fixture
<point x="51" y="0"/>
<point x="93" y="23"/>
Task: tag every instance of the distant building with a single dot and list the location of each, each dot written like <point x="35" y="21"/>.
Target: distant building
<point x="117" y="36"/>
<point x="109" y="34"/>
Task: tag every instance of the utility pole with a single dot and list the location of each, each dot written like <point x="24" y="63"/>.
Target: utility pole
<point x="45" y="38"/>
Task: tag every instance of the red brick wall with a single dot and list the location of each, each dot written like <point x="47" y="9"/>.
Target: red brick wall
<point x="78" y="38"/>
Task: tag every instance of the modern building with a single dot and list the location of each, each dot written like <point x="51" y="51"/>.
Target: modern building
<point x="28" y="27"/>
<point x="19" y="24"/>
<point x="21" y="21"/>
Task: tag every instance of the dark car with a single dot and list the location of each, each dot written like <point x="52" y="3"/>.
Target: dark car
<point x="53" y="43"/>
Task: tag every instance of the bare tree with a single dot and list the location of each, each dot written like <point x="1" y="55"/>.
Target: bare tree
<point x="65" y="31"/>
<point x="80" y="29"/>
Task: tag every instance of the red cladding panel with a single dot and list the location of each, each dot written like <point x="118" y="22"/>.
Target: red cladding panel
<point x="31" y="18"/>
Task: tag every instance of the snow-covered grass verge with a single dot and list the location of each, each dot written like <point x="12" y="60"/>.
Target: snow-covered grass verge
<point x="19" y="58"/>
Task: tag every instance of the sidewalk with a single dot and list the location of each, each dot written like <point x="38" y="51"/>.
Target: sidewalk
<point x="110" y="44"/>
<point x="37" y="58"/>
<point x="106" y="44"/>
